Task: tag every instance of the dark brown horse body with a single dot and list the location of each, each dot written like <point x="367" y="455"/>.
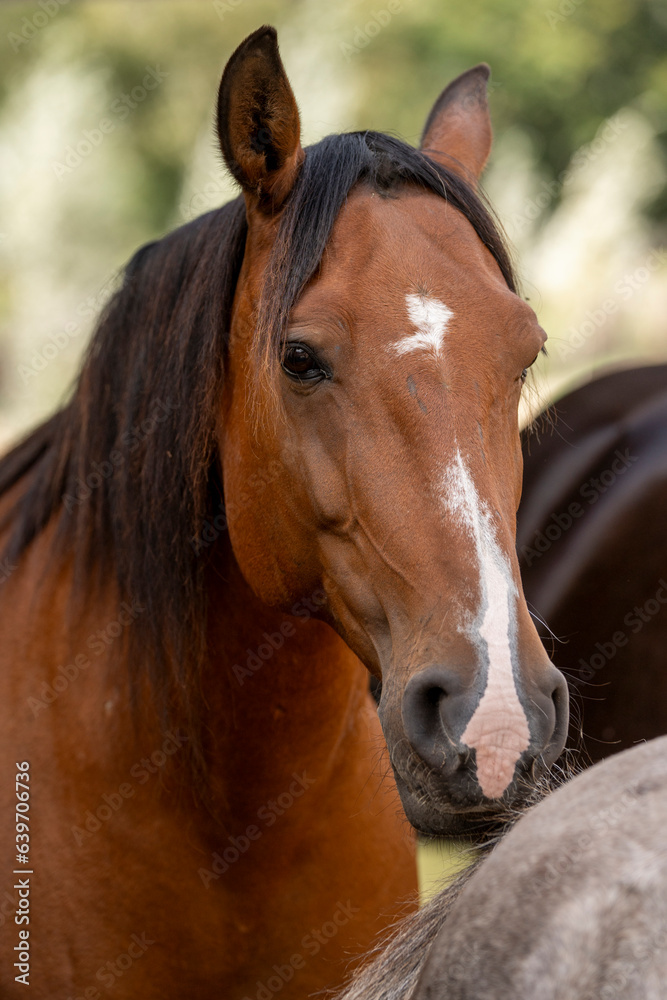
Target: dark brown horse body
<point x="341" y="353"/>
<point x="592" y="543"/>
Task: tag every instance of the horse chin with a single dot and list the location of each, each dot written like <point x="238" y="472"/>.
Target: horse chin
<point x="432" y="821"/>
<point x="438" y="818"/>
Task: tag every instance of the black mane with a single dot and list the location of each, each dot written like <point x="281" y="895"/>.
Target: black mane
<point x="129" y="465"/>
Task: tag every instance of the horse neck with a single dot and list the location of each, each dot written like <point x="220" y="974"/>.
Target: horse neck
<point x="285" y="694"/>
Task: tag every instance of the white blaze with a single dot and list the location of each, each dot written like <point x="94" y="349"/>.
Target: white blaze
<point x="498" y="729"/>
<point x="431" y="318"/>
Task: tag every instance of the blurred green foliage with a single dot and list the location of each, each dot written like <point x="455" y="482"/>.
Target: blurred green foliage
<point x="119" y="40"/>
<point x="560" y="67"/>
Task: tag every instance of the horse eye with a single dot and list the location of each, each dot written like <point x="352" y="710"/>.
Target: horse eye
<point x="297" y="360"/>
<point x="300" y="363"/>
<point x="524" y="373"/>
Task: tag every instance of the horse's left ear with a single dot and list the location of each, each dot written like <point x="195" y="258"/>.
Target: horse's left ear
<point x="458" y="130"/>
<point x="258" y="121"/>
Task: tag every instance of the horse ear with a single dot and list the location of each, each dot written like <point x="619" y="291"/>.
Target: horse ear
<point x="258" y="120"/>
<point x="458" y="130"/>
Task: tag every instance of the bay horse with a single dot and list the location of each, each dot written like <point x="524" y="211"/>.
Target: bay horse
<point x="293" y="446"/>
<point x="569" y="903"/>
<point x="592" y="543"/>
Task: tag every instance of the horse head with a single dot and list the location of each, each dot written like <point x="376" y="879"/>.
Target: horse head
<point x="376" y="357"/>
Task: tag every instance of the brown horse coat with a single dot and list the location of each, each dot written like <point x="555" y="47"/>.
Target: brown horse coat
<point x="293" y="446"/>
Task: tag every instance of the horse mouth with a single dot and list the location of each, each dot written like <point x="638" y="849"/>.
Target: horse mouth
<point x="438" y="805"/>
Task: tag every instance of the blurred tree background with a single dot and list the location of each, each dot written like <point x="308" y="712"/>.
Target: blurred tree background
<point x="106" y="141"/>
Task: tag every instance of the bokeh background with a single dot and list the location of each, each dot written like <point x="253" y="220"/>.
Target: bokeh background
<point x="578" y="173"/>
<point x="106" y="142"/>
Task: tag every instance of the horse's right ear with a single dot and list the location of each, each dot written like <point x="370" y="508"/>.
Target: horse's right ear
<point x="258" y="121"/>
<point x="458" y="130"/>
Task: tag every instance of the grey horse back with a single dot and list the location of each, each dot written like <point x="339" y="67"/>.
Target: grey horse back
<point x="572" y="904"/>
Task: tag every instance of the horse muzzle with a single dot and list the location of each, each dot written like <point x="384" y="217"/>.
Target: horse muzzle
<point x="459" y="753"/>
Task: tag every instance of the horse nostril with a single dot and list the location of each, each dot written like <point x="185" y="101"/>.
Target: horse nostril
<point x="434" y="695"/>
<point x="438" y="709"/>
<point x="560" y="702"/>
<point x="428" y="712"/>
